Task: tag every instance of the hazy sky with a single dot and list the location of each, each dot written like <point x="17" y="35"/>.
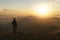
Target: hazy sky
<point x="25" y="4"/>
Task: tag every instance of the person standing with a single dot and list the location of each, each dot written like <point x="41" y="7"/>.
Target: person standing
<point x="14" y="23"/>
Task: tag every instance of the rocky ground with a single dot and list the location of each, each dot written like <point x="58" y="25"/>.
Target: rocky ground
<point x="30" y="36"/>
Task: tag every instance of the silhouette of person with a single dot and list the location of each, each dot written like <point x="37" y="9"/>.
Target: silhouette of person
<point x="14" y="23"/>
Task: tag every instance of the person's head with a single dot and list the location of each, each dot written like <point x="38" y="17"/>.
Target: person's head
<point x="14" y="18"/>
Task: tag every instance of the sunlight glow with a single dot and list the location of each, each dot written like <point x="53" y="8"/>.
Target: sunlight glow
<point x="43" y="10"/>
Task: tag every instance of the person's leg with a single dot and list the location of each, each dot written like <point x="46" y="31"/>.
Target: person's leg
<point x="15" y="30"/>
<point x="14" y="33"/>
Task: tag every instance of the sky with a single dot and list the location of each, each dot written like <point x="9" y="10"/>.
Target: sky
<point x="25" y="4"/>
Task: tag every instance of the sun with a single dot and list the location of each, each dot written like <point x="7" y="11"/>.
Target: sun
<point x="43" y="10"/>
